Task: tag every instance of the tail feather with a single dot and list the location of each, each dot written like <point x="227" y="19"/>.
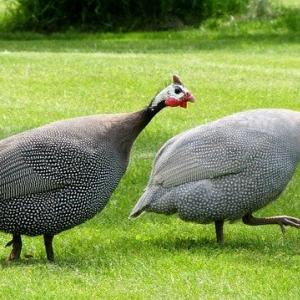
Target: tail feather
<point x="142" y="204"/>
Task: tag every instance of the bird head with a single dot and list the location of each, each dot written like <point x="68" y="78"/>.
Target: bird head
<point x="173" y="95"/>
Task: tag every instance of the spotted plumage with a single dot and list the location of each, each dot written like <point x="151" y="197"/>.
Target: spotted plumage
<point x="226" y="170"/>
<point x="57" y="176"/>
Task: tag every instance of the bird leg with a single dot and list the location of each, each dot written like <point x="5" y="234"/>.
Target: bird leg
<point x="48" y="245"/>
<point x="16" y="242"/>
<point x="279" y="220"/>
<point x="219" y="231"/>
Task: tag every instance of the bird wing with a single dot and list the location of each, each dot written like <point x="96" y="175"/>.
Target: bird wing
<point x="205" y="153"/>
<point x="34" y="164"/>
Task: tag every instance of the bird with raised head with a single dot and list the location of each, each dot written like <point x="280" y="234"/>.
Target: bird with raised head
<point x="226" y="170"/>
<point x="57" y="176"/>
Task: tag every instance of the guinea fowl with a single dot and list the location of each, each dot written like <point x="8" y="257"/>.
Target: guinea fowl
<point x="226" y="170"/>
<point x="57" y="176"/>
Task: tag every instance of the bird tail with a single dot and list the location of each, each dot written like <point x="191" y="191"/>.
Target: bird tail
<point x="142" y="203"/>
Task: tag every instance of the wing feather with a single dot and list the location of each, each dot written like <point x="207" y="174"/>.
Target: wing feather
<point x="37" y="164"/>
<point x="205" y="153"/>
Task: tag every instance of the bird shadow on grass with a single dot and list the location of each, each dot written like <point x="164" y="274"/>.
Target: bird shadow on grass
<point x="105" y="257"/>
<point x="207" y="245"/>
<point x="66" y="256"/>
<point x="61" y="261"/>
<point x="249" y="252"/>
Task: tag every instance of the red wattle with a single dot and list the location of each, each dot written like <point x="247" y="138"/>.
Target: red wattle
<point x="183" y="104"/>
<point x="172" y="102"/>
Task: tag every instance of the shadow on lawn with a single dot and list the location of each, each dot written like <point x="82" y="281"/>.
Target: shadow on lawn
<point x="114" y="254"/>
<point x="264" y="247"/>
<point x="239" y="33"/>
<point x="160" y="42"/>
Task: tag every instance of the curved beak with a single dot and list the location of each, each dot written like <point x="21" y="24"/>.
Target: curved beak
<point x="188" y="97"/>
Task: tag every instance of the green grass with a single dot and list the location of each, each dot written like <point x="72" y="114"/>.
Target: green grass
<point x="46" y="78"/>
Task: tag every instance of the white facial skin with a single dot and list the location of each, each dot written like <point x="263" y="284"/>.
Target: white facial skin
<point x="174" y="90"/>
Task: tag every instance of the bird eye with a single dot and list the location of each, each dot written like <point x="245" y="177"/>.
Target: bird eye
<point x="178" y="90"/>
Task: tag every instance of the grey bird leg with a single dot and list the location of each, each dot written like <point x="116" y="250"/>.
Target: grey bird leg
<point x="48" y="245"/>
<point x="16" y="242"/>
<point x="279" y="220"/>
<point x="219" y="231"/>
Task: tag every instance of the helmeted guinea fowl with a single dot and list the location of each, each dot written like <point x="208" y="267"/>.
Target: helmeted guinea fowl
<point x="57" y="176"/>
<point x="226" y="170"/>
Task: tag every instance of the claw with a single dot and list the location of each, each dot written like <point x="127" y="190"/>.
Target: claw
<point x="292" y="222"/>
<point x="288" y="221"/>
<point x="282" y="221"/>
<point x="16" y="242"/>
<point x="283" y="230"/>
<point x="9" y="243"/>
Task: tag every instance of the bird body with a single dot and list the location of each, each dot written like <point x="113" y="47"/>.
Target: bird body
<point x="226" y="169"/>
<point x="56" y="168"/>
<point x="57" y="176"/>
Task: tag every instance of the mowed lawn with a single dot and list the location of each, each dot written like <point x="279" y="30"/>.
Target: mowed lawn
<point x="43" y="79"/>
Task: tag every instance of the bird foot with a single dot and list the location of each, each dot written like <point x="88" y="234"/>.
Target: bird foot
<point x="16" y="242"/>
<point x="286" y="221"/>
<point x="282" y="221"/>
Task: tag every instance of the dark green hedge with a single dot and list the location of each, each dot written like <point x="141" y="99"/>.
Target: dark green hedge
<point x="53" y="15"/>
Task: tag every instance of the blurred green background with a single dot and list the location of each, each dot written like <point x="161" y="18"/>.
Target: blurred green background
<point x="231" y="60"/>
